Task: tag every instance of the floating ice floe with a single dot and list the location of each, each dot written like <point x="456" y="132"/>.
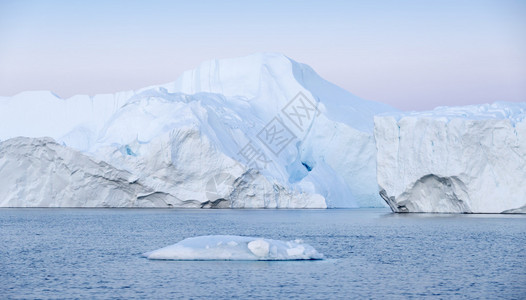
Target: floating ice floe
<point x="231" y="247"/>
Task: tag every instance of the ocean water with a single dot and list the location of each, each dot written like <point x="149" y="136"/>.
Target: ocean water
<point x="370" y="253"/>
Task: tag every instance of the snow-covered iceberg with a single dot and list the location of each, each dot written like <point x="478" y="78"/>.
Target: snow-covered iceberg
<point x="249" y="132"/>
<point x="469" y="159"/>
<point x="230" y="247"/>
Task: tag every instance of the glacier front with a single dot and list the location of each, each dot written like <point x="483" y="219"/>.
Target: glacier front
<point x="250" y="132"/>
<point x="469" y="159"/>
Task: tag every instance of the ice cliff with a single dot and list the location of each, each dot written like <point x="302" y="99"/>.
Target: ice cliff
<point x="469" y="159"/>
<point x="249" y="132"/>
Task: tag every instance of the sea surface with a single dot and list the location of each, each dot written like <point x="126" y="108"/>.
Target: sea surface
<point x="370" y="253"/>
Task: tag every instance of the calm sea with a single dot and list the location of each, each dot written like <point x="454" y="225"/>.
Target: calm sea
<point x="370" y="253"/>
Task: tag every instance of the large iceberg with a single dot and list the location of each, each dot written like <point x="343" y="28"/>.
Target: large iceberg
<point x="469" y="159"/>
<point x="231" y="247"/>
<point x="249" y="132"/>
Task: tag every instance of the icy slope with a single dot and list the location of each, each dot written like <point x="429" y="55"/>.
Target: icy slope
<point x="256" y="131"/>
<point x="458" y="159"/>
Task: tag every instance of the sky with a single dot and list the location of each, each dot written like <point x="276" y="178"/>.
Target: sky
<point x="413" y="55"/>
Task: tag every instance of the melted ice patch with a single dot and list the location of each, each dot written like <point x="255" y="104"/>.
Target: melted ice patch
<point x="231" y="247"/>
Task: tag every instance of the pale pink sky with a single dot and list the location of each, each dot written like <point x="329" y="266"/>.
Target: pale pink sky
<point x="410" y="54"/>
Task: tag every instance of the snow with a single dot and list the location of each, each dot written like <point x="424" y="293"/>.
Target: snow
<point x="468" y="159"/>
<point x="178" y="139"/>
<point x="230" y="247"/>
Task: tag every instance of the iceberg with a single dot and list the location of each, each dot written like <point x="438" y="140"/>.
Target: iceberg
<point x="260" y="131"/>
<point x="38" y="172"/>
<point x="469" y="159"/>
<point x="230" y="247"/>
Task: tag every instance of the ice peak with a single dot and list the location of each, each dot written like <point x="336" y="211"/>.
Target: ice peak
<point x="176" y="137"/>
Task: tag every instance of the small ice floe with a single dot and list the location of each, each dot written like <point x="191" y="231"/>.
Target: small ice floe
<point x="231" y="247"/>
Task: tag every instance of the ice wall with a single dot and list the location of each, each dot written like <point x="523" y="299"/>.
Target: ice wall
<point x="469" y="159"/>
